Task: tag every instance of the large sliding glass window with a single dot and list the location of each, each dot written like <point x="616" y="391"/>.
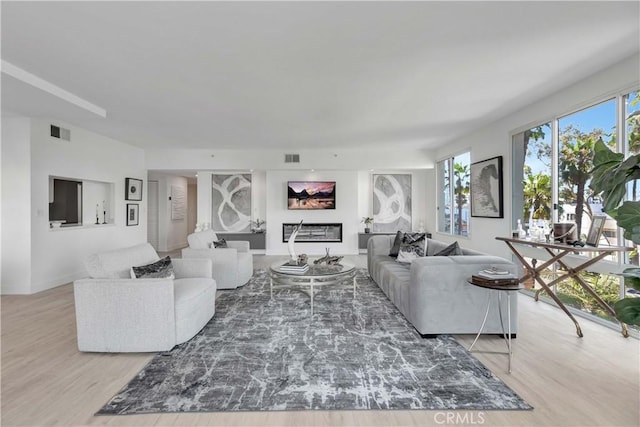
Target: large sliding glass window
<point x="453" y="194"/>
<point x="577" y="136"/>
<point x="553" y="161"/>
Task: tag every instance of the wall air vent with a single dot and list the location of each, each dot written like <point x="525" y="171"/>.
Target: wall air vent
<point x="60" y="133"/>
<point x="292" y="158"/>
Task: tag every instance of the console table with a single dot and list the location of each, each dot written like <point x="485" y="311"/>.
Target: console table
<point x="256" y="240"/>
<point x="557" y="251"/>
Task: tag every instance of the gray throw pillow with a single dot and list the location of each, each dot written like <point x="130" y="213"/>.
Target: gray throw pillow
<point x="396" y="244"/>
<point x="452" y="249"/>
<point x="222" y="243"/>
<point x="162" y="269"/>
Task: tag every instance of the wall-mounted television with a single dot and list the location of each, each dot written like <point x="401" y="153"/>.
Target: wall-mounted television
<point x="311" y="195"/>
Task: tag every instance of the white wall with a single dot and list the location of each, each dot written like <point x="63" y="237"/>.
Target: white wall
<point x="354" y="200"/>
<point x="15" y="257"/>
<point x="346" y="211"/>
<point x="494" y="139"/>
<point x="172" y="233"/>
<point x="319" y="159"/>
<point x="57" y="255"/>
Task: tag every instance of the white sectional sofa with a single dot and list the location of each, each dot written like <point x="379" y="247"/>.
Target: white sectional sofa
<point x="432" y="292"/>
<point x="115" y="313"/>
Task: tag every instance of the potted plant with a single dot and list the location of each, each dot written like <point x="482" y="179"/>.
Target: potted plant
<point x="258" y="225"/>
<point x="367" y="220"/>
<point x="610" y="175"/>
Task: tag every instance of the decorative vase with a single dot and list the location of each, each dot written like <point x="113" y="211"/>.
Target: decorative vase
<point x="367" y="230"/>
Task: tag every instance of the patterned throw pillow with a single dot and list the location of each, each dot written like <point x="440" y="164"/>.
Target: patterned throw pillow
<point x="413" y="246"/>
<point x="452" y="249"/>
<point x="162" y="269"/>
<point x="222" y="243"/>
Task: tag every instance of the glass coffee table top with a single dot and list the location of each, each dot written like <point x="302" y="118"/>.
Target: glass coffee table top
<point x="315" y="270"/>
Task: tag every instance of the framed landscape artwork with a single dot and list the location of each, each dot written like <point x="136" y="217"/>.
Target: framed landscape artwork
<point x="310" y="195"/>
<point x="486" y="188"/>
<point x="133" y="189"/>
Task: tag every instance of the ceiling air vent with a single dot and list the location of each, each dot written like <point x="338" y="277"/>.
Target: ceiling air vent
<point x="60" y="133"/>
<point x="292" y="158"/>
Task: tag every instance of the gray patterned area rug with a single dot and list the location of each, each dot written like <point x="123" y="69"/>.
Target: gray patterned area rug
<point x="258" y="354"/>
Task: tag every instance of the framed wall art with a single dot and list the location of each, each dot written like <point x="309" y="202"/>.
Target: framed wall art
<point x="133" y="189"/>
<point x="391" y="203"/>
<point x="231" y="202"/>
<point x="133" y="214"/>
<point x="595" y="230"/>
<point x="486" y="188"/>
<point x="178" y="202"/>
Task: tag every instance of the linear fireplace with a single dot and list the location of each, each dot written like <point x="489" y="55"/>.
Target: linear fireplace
<point x="314" y="232"/>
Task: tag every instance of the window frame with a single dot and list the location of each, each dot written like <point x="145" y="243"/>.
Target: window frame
<point x="441" y="204"/>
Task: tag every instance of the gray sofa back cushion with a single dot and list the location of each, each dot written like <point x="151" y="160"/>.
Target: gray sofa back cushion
<point x="435" y="246"/>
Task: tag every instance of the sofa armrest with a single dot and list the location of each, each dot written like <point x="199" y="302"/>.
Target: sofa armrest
<point x="439" y="286"/>
<point x="125" y="315"/>
<point x="239" y="245"/>
<point x="185" y="268"/>
<point x="224" y="265"/>
<point x="379" y="245"/>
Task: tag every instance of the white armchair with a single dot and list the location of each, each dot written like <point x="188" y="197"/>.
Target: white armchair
<point x="115" y="313"/>
<point x="232" y="266"/>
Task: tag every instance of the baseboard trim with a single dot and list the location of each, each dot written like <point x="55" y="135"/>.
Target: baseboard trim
<point x="431" y="336"/>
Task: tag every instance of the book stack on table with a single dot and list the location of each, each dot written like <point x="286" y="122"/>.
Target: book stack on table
<point x="495" y="276"/>
<point x="289" y="267"/>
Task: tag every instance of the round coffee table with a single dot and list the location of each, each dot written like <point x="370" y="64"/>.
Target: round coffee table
<point x="317" y="275"/>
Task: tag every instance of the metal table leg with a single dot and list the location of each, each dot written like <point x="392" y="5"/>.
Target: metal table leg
<point x="505" y="334"/>
<point x="484" y="321"/>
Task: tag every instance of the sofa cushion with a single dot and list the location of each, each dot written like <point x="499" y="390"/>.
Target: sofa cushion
<point x="394" y="280"/>
<point x="452" y="249"/>
<point x="435" y="246"/>
<point x="162" y="269"/>
<point x="117" y="264"/>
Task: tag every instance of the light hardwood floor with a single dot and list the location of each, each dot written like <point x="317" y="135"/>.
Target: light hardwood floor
<point x="593" y="381"/>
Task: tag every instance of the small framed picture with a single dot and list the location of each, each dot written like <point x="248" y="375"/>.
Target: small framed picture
<point x="595" y="231"/>
<point x="133" y="217"/>
<point x="133" y="189"/>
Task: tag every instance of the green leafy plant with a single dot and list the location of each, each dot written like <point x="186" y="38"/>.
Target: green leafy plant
<point x="367" y="220"/>
<point x="610" y="175"/>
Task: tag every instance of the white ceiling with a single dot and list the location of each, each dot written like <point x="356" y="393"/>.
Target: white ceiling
<point x="303" y="74"/>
